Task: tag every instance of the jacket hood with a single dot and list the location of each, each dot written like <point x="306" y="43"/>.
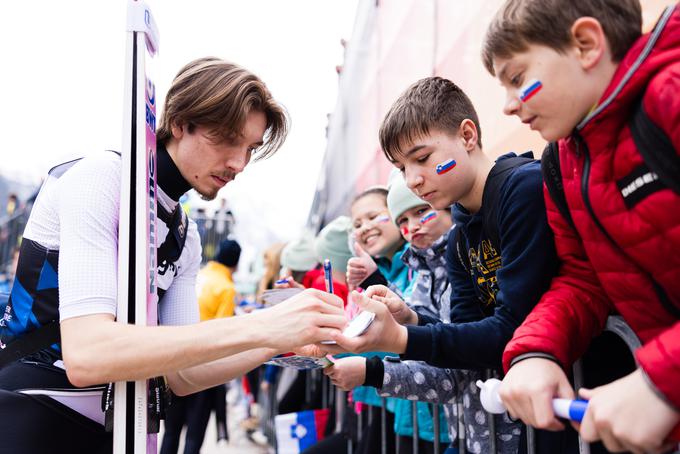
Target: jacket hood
<point x="649" y="54"/>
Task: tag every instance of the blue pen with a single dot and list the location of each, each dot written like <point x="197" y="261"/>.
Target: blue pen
<point x="328" y="275"/>
<point x="570" y="409"/>
<point x="564" y="408"/>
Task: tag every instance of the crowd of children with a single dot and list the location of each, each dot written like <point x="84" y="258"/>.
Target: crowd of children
<point x="476" y="267"/>
<point x="541" y="252"/>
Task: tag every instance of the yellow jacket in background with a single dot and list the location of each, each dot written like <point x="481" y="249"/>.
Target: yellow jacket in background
<point x="216" y="291"/>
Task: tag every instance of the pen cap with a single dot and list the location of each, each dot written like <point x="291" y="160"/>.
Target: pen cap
<point x="489" y="396"/>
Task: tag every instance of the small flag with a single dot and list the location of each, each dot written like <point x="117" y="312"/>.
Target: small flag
<point x="428" y="217"/>
<point x="530" y="89"/>
<point x="445" y="166"/>
<point x="296" y="432"/>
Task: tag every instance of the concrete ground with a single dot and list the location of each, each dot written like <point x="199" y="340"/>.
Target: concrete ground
<point x="238" y="442"/>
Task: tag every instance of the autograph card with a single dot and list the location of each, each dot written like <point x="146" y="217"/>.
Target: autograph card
<point x="357" y="326"/>
<point x="300" y="362"/>
<point x="277" y="295"/>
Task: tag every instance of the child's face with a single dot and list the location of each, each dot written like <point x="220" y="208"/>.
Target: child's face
<point x="557" y="92"/>
<point x="373" y="228"/>
<point x="439" y="186"/>
<point x="422" y="225"/>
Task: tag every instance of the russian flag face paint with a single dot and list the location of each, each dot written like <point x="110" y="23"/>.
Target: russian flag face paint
<point x="428" y="217"/>
<point x="382" y="219"/>
<point x="445" y="166"/>
<point x="404" y="231"/>
<point x="530" y="89"/>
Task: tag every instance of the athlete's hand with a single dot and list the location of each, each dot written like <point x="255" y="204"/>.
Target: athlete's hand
<point x="628" y="416"/>
<point x="403" y="314"/>
<point x="306" y="318"/>
<point x="347" y="373"/>
<point x="359" y="267"/>
<point x="528" y="389"/>
<point x="384" y="334"/>
<point x="289" y="283"/>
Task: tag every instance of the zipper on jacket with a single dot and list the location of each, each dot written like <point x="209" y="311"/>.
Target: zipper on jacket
<point x="658" y="289"/>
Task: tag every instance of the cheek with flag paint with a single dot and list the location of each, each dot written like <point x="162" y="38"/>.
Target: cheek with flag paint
<point x="529" y="90"/>
<point x="428" y="217"/>
<point x="445" y="166"/>
<point x="296" y="432"/>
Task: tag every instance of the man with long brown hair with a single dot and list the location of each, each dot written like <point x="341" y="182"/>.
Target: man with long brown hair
<point x="217" y="115"/>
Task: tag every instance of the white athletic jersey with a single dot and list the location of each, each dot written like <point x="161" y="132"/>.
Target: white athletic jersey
<point x="77" y="214"/>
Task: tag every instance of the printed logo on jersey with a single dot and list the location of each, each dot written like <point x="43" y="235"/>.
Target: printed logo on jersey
<point x="485" y="262"/>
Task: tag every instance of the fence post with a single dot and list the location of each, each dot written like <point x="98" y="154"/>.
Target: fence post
<point x="492" y="423"/>
<point x="383" y="428"/>
<point x="414" y="410"/>
<point x="324" y="391"/>
<point x="461" y="427"/>
<point x="341" y="403"/>
<point x="435" y="421"/>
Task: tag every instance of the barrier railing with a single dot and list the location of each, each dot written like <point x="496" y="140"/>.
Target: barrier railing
<point x="615" y="325"/>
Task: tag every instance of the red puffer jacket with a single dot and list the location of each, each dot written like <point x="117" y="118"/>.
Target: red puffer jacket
<point x="625" y="253"/>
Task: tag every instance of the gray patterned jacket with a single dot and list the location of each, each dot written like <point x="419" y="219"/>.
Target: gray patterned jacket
<point x="431" y="293"/>
<point x="456" y="389"/>
<point x="415" y="380"/>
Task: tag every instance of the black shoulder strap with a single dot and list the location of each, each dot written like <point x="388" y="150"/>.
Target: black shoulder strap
<point x="492" y="192"/>
<point x="656" y="148"/>
<point x="173" y="245"/>
<point x="552" y="176"/>
<point x="460" y="248"/>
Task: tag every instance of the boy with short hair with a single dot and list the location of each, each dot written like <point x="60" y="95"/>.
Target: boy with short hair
<point x="620" y="232"/>
<point x="432" y="134"/>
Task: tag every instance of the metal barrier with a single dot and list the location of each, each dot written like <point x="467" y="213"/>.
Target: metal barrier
<point x="615" y="325"/>
<point x="11" y="231"/>
<point x="212" y="231"/>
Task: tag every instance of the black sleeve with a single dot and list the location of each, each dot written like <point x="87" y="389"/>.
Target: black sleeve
<point x="424" y="319"/>
<point x="529" y="263"/>
<point x="375" y="372"/>
<point x="376" y="278"/>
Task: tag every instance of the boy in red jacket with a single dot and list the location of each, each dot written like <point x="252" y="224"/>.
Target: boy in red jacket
<point x="574" y="71"/>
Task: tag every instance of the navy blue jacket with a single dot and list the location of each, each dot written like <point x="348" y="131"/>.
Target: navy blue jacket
<point x="491" y="298"/>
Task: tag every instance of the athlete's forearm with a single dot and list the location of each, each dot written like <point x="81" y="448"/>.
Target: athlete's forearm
<point x="217" y="372"/>
<point x="97" y="349"/>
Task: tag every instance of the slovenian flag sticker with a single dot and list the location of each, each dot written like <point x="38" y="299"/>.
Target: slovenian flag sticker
<point x="296" y="432"/>
<point x="530" y="89"/>
<point x="445" y="166"/>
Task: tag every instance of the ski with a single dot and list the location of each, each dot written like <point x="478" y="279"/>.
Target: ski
<point x="137" y="296"/>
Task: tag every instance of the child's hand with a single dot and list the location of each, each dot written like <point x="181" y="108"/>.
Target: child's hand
<point x="528" y="389"/>
<point x="287" y="282"/>
<point x="403" y="314"/>
<point x="384" y="334"/>
<point x="359" y="267"/>
<point x="347" y="373"/>
<point x="314" y="350"/>
<point x="628" y="416"/>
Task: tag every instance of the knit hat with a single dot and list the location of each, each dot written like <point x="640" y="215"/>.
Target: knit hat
<point x="228" y="253"/>
<point x="331" y="243"/>
<point x="299" y="254"/>
<point x="399" y="197"/>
